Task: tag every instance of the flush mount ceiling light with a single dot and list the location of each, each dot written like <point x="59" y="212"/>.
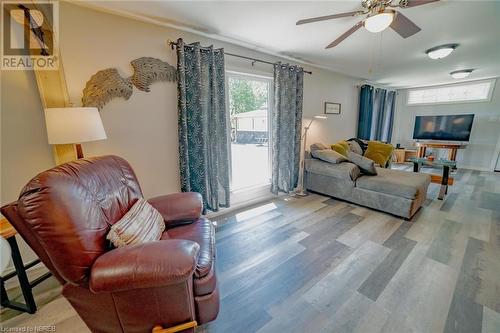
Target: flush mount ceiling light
<point x="379" y="22"/>
<point x="441" y="51"/>
<point x="461" y="74"/>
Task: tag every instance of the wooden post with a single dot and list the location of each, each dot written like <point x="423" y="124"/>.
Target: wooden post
<point x="54" y="93"/>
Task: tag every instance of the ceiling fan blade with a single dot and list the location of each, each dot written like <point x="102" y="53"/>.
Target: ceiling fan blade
<point x="328" y="17"/>
<point x="404" y="26"/>
<point x="415" y="3"/>
<point x="345" y="35"/>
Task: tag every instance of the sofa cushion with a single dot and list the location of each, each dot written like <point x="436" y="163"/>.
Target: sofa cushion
<point x="328" y="155"/>
<point x="395" y="182"/>
<point x="355" y="147"/>
<point x="343" y="170"/>
<point x="366" y="165"/>
<point x="318" y="146"/>
<point x="362" y="144"/>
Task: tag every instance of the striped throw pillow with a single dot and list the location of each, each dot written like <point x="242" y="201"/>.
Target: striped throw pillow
<point x="141" y="224"/>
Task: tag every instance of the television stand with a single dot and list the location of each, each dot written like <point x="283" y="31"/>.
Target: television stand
<point x="451" y="147"/>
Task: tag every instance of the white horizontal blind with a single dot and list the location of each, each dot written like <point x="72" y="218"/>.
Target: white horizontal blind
<point x="478" y="91"/>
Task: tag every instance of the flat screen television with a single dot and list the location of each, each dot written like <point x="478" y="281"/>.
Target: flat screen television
<point x="443" y="128"/>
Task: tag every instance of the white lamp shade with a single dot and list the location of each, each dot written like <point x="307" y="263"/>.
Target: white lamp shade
<point x="73" y="125"/>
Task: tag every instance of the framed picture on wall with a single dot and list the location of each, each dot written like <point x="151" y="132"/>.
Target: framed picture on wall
<point x="332" y="108"/>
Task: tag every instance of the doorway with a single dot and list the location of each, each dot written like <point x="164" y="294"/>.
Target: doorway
<point x="250" y="114"/>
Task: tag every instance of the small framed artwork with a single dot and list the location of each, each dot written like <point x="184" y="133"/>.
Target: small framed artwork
<point x="332" y="108"/>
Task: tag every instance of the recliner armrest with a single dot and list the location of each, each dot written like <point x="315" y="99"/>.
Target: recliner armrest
<point x="148" y="265"/>
<point x="178" y="207"/>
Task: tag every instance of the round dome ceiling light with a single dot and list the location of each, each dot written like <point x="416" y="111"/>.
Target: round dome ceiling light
<point x="441" y="51"/>
<point x="379" y="22"/>
<point x="461" y="74"/>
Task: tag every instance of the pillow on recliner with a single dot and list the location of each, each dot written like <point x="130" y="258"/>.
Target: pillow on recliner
<point x="141" y="224"/>
<point x="328" y="155"/>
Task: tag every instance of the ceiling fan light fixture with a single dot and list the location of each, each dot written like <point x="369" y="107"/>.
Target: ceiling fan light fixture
<point x="441" y="51"/>
<point x="379" y="22"/>
<point x="461" y="74"/>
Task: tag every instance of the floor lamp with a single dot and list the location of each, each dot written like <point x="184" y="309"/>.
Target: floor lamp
<point x="74" y="125"/>
<point x="301" y="191"/>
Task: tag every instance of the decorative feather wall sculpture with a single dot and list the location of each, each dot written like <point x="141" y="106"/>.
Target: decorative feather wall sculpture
<point x="107" y="84"/>
<point x="149" y="70"/>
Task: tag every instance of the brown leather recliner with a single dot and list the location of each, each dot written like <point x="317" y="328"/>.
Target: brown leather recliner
<point x="65" y="213"/>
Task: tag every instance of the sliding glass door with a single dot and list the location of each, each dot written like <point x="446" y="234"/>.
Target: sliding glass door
<point x="250" y="109"/>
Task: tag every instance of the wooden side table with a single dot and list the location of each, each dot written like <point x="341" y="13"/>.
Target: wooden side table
<point x="403" y="155"/>
<point x="8" y="232"/>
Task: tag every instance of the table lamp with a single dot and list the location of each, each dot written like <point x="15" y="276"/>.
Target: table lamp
<point x="300" y="189"/>
<point x="74" y="125"/>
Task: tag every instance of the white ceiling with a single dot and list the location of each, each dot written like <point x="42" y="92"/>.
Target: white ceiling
<point x="385" y="58"/>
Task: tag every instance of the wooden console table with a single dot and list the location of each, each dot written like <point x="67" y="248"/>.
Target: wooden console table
<point x="452" y="148"/>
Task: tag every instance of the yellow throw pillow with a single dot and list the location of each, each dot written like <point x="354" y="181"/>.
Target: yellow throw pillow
<point x="339" y="149"/>
<point x="344" y="144"/>
<point x="379" y="152"/>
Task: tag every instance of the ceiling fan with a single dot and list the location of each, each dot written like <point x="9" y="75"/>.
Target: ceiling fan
<point x="380" y="16"/>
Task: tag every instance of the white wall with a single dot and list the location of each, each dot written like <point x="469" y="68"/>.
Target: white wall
<point x="482" y="148"/>
<point x="24" y="148"/>
<point x="143" y="129"/>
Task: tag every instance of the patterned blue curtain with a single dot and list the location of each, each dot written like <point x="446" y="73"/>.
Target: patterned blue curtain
<point x="376" y="113"/>
<point x="383" y="119"/>
<point x="286" y="127"/>
<point x="365" y="112"/>
<point x="378" y="110"/>
<point x="203" y="140"/>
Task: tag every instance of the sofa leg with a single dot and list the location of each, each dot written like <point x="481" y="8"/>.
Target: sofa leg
<point x="178" y="328"/>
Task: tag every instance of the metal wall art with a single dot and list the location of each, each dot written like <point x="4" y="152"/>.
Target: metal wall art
<point x="107" y="84"/>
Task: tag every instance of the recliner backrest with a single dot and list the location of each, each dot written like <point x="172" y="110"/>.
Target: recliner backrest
<point x="70" y="209"/>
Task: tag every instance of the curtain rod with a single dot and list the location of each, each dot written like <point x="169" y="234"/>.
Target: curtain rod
<point x="254" y="60"/>
<point x="375" y="86"/>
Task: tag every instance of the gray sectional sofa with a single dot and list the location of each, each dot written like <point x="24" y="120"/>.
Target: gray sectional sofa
<point x="396" y="192"/>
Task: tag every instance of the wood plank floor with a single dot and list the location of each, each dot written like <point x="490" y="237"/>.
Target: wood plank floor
<point x="316" y="264"/>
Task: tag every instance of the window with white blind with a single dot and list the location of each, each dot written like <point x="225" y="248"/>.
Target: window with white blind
<point x="476" y="91"/>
